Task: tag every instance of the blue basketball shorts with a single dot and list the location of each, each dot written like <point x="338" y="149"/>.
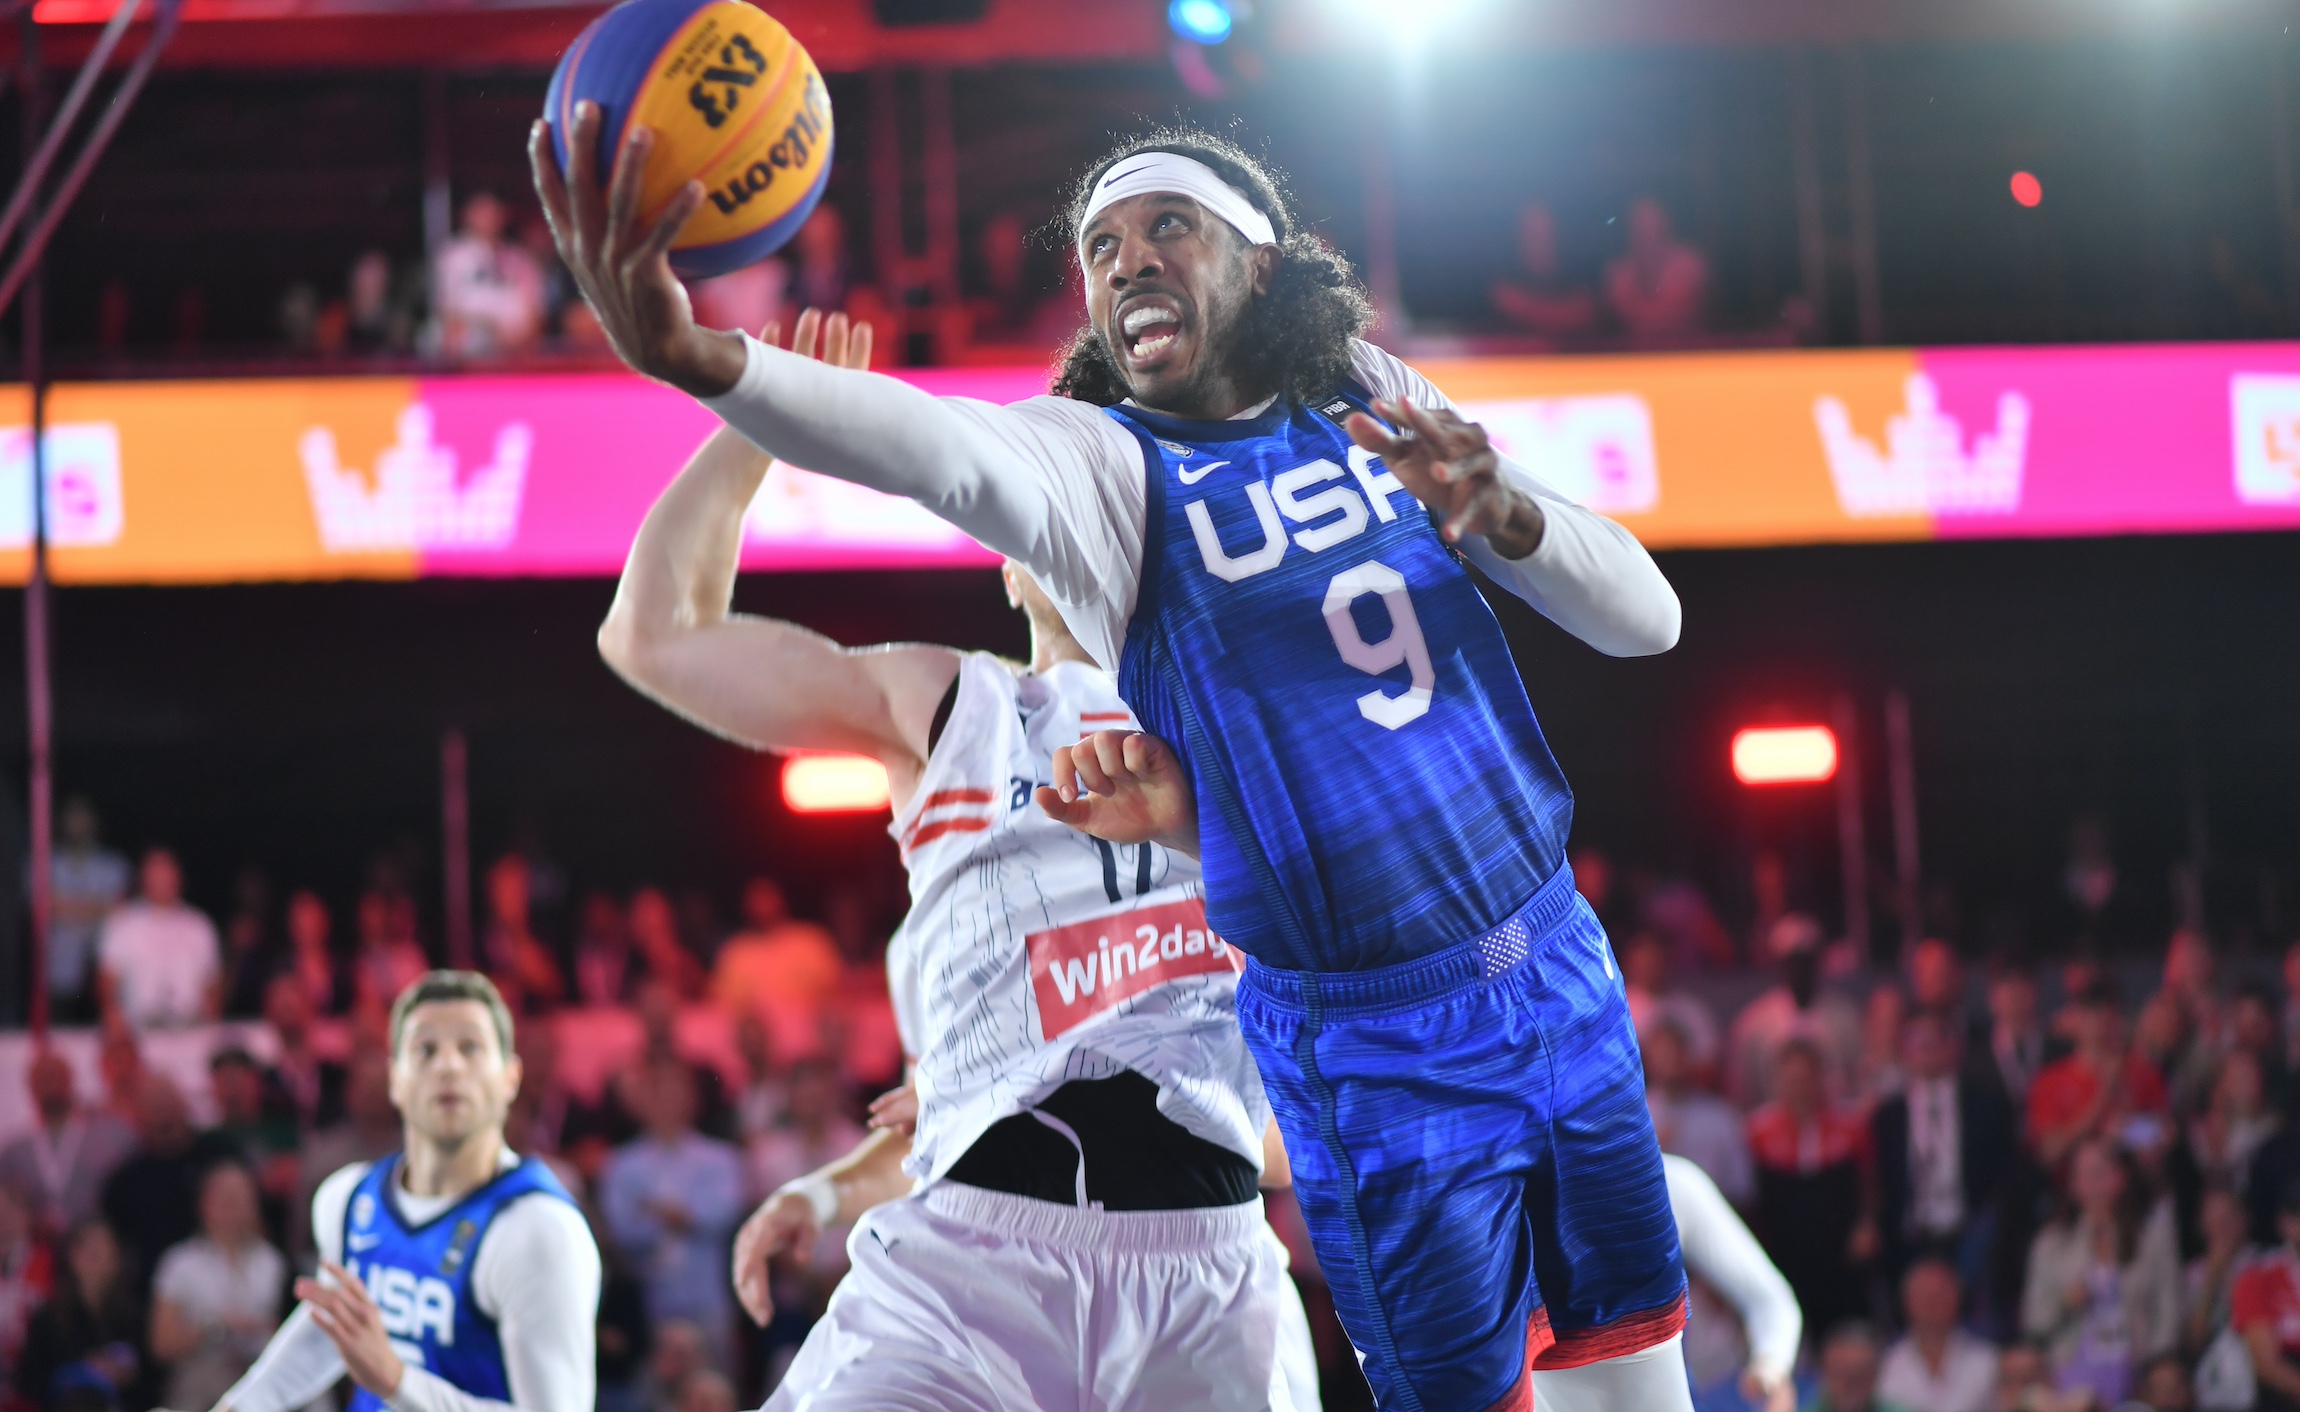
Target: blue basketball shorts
<point x="1473" y="1157"/>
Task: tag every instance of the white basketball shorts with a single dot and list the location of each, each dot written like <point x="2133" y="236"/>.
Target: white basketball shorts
<point x="960" y="1298"/>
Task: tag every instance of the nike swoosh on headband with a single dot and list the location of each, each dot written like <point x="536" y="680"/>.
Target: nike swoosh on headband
<point x="1183" y="474"/>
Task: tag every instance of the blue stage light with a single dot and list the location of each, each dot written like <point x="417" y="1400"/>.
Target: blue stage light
<point x="1200" y="21"/>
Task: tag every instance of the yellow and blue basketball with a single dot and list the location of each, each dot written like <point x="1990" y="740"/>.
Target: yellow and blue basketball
<point x="735" y="103"/>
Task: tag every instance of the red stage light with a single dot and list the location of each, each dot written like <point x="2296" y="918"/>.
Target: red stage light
<point x="2026" y="189"/>
<point x="1784" y="754"/>
<point x="834" y="784"/>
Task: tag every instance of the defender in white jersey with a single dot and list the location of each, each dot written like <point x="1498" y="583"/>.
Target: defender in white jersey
<point x="1072" y="1223"/>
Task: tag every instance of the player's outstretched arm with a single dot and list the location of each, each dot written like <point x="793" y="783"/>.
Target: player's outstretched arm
<point x="1582" y="571"/>
<point x="1124" y="787"/>
<point x="1052" y="483"/>
<point x="766" y="683"/>
<point x="789" y="1220"/>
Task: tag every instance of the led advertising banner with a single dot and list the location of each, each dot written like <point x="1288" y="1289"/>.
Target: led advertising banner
<point x="480" y="475"/>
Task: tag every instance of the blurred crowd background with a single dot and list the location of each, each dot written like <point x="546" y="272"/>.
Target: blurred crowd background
<point x="2049" y="1178"/>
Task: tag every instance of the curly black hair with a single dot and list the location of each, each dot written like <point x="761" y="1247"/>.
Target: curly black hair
<point x="1297" y="337"/>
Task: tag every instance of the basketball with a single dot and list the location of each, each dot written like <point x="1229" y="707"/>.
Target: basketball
<point x="735" y="103"/>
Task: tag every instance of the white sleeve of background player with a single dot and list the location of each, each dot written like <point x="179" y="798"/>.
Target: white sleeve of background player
<point x="300" y="1362"/>
<point x="1722" y="1254"/>
<point x="1052" y="483"/>
<point x="537" y="1276"/>
<point x="1588" y="575"/>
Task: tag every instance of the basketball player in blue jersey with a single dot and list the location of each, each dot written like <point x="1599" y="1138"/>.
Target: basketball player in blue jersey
<point x="1267" y="526"/>
<point x="455" y="1275"/>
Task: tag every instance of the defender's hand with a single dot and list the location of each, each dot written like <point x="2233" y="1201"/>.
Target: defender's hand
<point x="897" y="1108"/>
<point x="783" y="1223"/>
<point x="1449" y="466"/>
<point x="845" y="344"/>
<point x="622" y="262"/>
<point x="346" y="1313"/>
<point x="1138" y="794"/>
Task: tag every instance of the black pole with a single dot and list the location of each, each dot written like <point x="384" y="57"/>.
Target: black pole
<point x="36" y="686"/>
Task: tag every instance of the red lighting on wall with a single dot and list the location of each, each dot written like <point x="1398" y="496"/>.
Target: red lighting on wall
<point x="2026" y="189"/>
<point x="1784" y="754"/>
<point x="834" y="784"/>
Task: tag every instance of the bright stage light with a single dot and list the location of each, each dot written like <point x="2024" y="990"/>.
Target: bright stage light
<point x="834" y="784"/>
<point x="1407" y="23"/>
<point x="1200" y="21"/>
<point x="1784" y="754"/>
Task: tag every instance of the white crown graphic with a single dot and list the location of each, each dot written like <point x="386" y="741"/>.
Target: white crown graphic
<point x="1924" y="466"/>
<point x="415" y="503"/>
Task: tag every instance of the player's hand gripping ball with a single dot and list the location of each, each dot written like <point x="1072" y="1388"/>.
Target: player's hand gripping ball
<point x="734" y="103"/>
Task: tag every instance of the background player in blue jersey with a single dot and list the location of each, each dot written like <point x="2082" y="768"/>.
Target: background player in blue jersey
<point x="1434" y="1011"/>
<point x="456" y="1276"/>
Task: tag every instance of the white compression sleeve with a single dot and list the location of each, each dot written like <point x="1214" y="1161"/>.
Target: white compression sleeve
<point x="1055" y="484"/>
<point x="1721" y="1253"/>
<point x="1588" y="575"/>
<point x="300" y="1362"/>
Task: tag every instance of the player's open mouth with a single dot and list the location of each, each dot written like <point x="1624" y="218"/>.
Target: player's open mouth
<point x="1150" y="328"/>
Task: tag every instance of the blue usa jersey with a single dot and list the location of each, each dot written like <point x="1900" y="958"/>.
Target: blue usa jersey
<point x="1372" y="785"/>
<point x="420" y="1275"/>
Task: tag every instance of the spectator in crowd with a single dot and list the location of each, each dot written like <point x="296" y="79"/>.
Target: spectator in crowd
<point x="672" y="1198"/>
<point x="680" y="1352"/>
<point x="2251" y="1028"/>
<point x="1937" y="980"/>
<point x="2189" y="990"/>
<point x="746" y="300"/>
<point x="90" y="1333"/>
<point x="1654" y="1000"/>
<point x="1700" y="1127"/>
<point x="263" y="1137"/>
<point x="159" y="962"/>
<point x="2011" y="1050"/>
<point x="2217" y="1146"/>
<point x="626" y="1338"/>
<point x="216" y="1296"/>
<point x="300" y="1088"/>
<point x="658" y="1007"/>
<point x="778" y="966"/>
<point x="367" y="1130"/>
<point x="2163" y="1385"/>
<point x="27" y="1273"/>
<point x="1849" y="1372"/>
<point x="311" y="957"/>
<point x="62" y="1161"/>
<point x="2024" y="1384"/>
<point x="389" y="958"/>
<point x="1538" y="296"/>
<point x="248" y="957"/>
<point x="1878" y="1074"/>
<point x="2208" y="1285"/>
<point x="1796" y="1009"/>
<point x="86" y="881"/>
<point x="1012" y="308"/>
<point x="604" y="971"/>
<point x="821" y="250"/>
<point x="1813" y="1189"/>
<point x="1936" y="1366"/>
<point x="2104" y="1280"/>
<point x="655" y="934"/>
<point x="122" y="1063"/>
<point x="1659" y="287"/>
<point x="486" y="290"/>
<point x="2264" y="1308"/>
<point x="375" y="319"/>
<point x="765" y="1098"/>
<point x="152" y="1200"/>
<point x="705" y="1391"/>
<point x="521" y="966"/>
<point x="2101" y="1088"/>
<point x="1942" y="1145"/>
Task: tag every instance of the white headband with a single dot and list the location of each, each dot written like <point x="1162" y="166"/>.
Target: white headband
<point x="1171" y="173"/>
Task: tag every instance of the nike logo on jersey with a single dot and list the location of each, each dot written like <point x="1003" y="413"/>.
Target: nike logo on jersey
<point x="364" y="1242"/>
<point x="1188" y="477"/>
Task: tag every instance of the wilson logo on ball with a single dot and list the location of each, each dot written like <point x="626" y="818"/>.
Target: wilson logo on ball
<point x="734" y="102"/>
<point x="793" y="150"/>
